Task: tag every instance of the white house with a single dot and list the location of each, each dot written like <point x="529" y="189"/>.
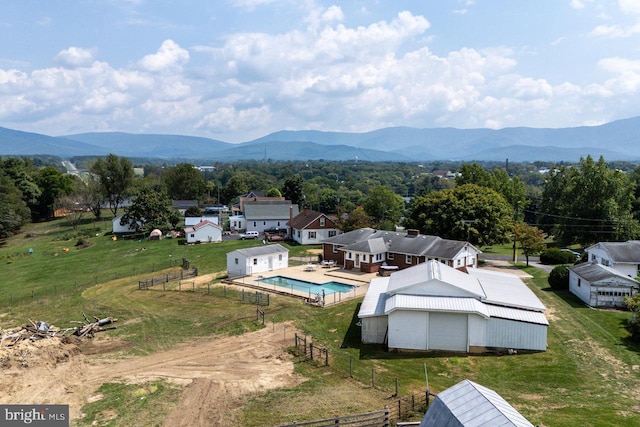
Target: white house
<point x="433" y="306"/>
<point x="311" y="227"/>
<point x="621" y="256"/>
<point x="243" y="262"/>
<point x="117" y="227"/>
<point x="470" y="404"/>
<point x="600" y="286"/>
<point x="237" y="223"/>
<point x="265" y="215"/>
<point x="202" y="232"/>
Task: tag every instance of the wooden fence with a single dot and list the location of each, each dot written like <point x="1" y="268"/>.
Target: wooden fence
<point x="311" y="351"/>
<point x="166" y="278"/>
<point x="369" y="419"/>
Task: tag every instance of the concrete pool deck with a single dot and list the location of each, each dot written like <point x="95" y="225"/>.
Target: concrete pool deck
<point x="319" y="275"/>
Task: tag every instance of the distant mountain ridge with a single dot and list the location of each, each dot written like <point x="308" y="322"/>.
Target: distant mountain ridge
<point x="618" y="140"/>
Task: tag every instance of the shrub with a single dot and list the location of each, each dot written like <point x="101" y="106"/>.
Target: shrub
<point x="555" y="256"/>
<point x="559" y="278"/>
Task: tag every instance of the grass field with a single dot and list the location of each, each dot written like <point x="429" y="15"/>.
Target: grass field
<point x="590" y="375"/>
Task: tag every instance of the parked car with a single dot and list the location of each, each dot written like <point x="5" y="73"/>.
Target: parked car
<point x="249" y="235"/>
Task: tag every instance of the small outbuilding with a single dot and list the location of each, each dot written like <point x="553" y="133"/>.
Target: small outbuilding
<point x="601" y="286"/>
<point x="468" y="404"/>
<point x="245" y="262"/>
<point x="155" y="234"/>
<point x="117" y="227"/>
<point x="203" y="232"/>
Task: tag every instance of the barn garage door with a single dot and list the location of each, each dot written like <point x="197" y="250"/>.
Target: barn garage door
<point x="448" y="331"/>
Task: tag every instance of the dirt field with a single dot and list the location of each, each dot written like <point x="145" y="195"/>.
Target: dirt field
<point x="217" y="373"/>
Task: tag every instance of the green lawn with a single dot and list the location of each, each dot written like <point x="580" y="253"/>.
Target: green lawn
<point x="590" y="374"/>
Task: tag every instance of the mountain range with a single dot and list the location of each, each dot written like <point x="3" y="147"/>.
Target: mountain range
<point x="618" y="140"/>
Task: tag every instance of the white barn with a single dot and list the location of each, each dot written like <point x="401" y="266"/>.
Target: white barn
<point x="433" y="306"/>
<point x="203" y="232"/>
<point x="600" y="286"/>
<point x="244" y="262"/>
<point x="470" y="404"/>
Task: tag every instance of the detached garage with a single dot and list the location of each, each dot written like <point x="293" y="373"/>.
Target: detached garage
<point x="435" y="307"/>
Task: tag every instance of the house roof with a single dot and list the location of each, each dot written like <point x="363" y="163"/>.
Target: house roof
<point x="490" y="293"/>
<point x="306" y="218"/>
<point x="402" y="243"/>
<point x="262" y="250"/>
<point x="183" y="204"/>
<point x="471" y="405"/>
<point x="620" y="252"/>
<point x="269" y="210"/>
<point x="201" y="224"/>
<point x="375" y="245"/>
<point x="594" y="273"/>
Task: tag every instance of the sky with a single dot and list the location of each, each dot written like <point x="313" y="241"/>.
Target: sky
<point x="236" y="70"/>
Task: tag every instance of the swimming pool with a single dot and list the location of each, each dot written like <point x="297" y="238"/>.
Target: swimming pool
<point x="305" y="286"/>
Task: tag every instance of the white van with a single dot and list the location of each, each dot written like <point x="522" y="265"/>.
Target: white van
<point x="249" y="235"/>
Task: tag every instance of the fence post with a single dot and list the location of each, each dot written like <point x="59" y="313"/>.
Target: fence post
<point x="396" y="387"/>
<point x="373" y="382"/>
<point x="311" y="350"/>
<point x="326" y="359"/>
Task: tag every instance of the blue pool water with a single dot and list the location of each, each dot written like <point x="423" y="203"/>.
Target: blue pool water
<point x="304" y="286"/>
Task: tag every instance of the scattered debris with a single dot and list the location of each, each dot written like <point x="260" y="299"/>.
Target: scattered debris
<point x="34" y="331"/>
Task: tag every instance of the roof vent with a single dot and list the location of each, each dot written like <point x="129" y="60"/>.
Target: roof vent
<point x="413" y="232"/>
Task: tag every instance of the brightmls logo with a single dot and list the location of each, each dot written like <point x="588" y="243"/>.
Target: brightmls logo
<point x="34" y="415"/>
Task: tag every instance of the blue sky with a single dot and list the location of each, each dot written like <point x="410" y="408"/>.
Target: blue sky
<point x="236" y="70"/>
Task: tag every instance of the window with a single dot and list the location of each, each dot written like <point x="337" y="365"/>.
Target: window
<point x="255" y="261"/>
<point x="390" y="256"/>
<point x="364" y="258"/>
<point x="264" y="222"/>
<point x="312" y="234"/>
<point x="237" y="262"/>
<point x="458" y="262"/>
<point x="298" y="232"/>
<point x="332" y="233"/>
<point x="335" y="249"/>
<point x="255" y="224"/>
<point x="409" y="259"/>
<point x="579" y="282"/>
<point x="279" y="257"/>
<point x="278" y="223"/>
<point x="322" y="222"/>
<point x="192" y="235"/>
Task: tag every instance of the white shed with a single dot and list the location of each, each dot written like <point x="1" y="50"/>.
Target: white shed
<point x="601" y="286"/>
<point x="117" y="227"/>
<point x="433" y="306"/>
<point x="243" y="262"/>
<point x="470" y="404"/>
<point x="202" y="232"/>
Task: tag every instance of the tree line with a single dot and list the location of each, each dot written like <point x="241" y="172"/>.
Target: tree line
<point x="484" y="203"/>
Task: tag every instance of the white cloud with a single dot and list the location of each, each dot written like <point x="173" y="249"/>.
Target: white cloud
<point x="75" y="57"/>
<point x="170" y="55"/>
<point x="577" y="4"/>
<point x="630" y="6"/>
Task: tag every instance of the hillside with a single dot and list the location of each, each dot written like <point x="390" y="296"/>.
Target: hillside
<point x="618" y="140"/>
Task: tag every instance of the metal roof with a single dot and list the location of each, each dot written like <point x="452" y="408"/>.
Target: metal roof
<point x="517" y="314"/>
<point x="371" y="246"/>
<point x="468" y="404"/>
<point x="374" y="300"/>
<point x="620" y="252"/>
<point x="444" y="304"/>
<point x="593" y="273"/>
<point x="262" y="250"/>
<point x="434" y="270"/>
<point x="506" y="289"/>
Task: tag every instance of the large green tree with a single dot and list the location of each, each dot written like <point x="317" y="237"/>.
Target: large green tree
<point x="468" y="212"/>
<point x="292" y="189"/>
<point x="185" y="182"/>
<point x="115" y="175"/>
<point x="53" y="185"/>
<point x="587" y="203"/>
<point x="14" y="212"/>
<point x="151" y="208"/>
<point x="530" y="238"/>
<point x="384" y="206"/>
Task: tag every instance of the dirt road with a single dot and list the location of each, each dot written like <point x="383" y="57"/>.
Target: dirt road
<point x="218" y="374"/>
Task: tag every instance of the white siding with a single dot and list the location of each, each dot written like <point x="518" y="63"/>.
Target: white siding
<point x="508" y="334"/>
<point x="374" y="330"/>
<point x="448" y="331"/>
<point x="408" y="329"/>
<point x="583" y="291"/>
<point x="477" y="330"/>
